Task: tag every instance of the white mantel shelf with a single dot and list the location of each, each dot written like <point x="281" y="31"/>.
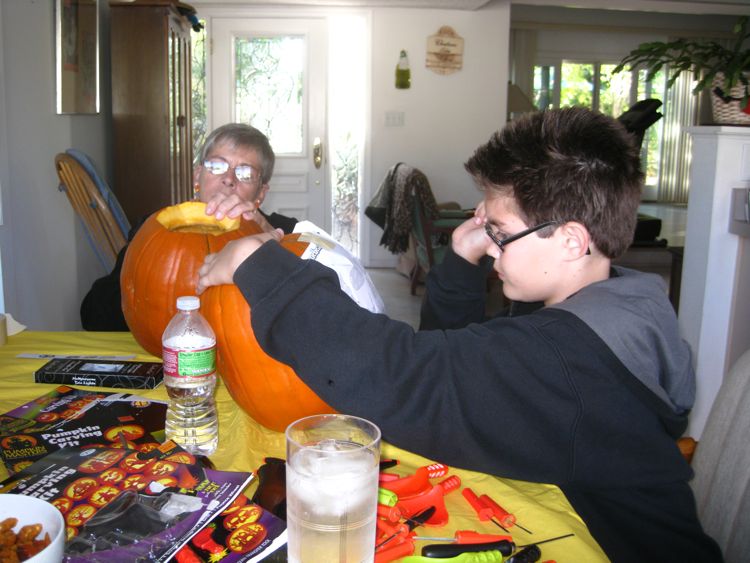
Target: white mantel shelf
<point x="703" y="130"/>
<point x="714" y="314"/>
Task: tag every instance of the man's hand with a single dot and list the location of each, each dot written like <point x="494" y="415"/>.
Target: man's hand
<point x="231" y="205"/>
<point x="219" y="268"/>
<point x="469" y="240"/>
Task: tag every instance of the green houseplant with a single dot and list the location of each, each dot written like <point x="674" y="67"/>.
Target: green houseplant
<point x="724" y="71"/>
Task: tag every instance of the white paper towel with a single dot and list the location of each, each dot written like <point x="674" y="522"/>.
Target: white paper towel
<point x="353" y="278"/>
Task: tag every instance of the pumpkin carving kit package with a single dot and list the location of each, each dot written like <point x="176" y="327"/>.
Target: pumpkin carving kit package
<point x="125" y="493"/>
<point x="122" y="505"/>
<point x="68" y="417"/>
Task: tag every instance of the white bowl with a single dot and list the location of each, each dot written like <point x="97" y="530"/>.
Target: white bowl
<point x="31" y="510"/>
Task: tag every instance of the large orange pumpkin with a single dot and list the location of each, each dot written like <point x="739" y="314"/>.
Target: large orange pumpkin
<point x="162" y="263"/>
<point x="267" y="390"/>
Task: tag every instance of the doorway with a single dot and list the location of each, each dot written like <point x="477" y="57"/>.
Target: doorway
<point x="271" y="73"/>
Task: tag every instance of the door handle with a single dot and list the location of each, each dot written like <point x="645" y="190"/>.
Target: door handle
<point x="317" y="152"/>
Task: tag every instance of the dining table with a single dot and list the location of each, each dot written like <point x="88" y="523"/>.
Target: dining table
<point x="244" y="445"/>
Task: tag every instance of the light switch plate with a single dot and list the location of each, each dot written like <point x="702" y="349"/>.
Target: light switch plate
<point x="739" y="216"/>
<point x="394" y="119"/>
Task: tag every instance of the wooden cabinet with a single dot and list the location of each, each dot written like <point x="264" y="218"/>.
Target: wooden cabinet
<point x="151" y="111"/>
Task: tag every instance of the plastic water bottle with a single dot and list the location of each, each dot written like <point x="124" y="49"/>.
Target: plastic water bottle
<point x="189" y="353"/>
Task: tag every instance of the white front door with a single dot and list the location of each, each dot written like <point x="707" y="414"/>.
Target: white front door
<point x="271" y="73"/>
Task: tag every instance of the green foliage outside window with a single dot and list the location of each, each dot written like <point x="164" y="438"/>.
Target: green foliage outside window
<point x="345" y="179"/>
<point x="544" y="86"/>
<point x="577" y="85"/>
<point x="269" y="89"/>
<point x="614" y="91"/>
<point x="198" y="67"/>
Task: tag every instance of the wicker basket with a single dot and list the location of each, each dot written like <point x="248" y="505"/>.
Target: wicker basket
<point x="728" y="113"/>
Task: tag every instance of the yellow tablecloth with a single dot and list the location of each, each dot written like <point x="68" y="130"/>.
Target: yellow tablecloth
<point x="243" y="444"/>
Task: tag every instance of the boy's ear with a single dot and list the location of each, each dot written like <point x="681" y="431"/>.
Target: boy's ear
<point x="577" y="239"/>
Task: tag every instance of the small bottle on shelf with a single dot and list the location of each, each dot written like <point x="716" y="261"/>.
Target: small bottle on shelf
<point x="403" y="72"/>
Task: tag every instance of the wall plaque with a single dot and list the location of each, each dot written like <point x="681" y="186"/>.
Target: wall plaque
<point x="445" y="51"/>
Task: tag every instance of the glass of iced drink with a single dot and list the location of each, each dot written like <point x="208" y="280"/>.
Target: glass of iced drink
<point x="332" y="465"/>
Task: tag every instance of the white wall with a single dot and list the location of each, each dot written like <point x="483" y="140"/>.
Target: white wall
<point x="713" y="317"/>
<point x="446" y="117"/>
<point x="47" y="262"/>
<point x="577" y="45"/>
<point x="3" y="162"/>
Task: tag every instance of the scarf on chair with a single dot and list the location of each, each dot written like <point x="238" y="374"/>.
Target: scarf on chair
<point x="392" y="207"/>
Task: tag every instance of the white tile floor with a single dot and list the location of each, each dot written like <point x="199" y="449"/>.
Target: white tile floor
<point x="399" y="303"/>
<point x="673" y="220"/>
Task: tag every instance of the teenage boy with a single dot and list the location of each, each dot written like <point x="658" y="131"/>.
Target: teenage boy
<point x="588" y="392"/>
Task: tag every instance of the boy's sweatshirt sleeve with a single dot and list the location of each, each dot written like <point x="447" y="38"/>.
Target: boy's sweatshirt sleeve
<point x="428" y="391"/>
<point x="456" y="293"/>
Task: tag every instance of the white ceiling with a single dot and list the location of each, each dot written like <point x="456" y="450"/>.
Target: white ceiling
<point x="435" y="4"/>
<point x="676" y="6"/>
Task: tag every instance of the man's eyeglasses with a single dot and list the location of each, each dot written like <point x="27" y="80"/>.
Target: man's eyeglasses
<point x="507" y="240"/>
<point x="244" y="172"/>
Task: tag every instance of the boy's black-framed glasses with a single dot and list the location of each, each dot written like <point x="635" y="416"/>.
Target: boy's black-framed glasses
<point x="245" y="173"/>
<point x="507" y="240"/>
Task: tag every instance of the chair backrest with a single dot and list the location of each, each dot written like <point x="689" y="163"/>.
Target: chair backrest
<point x="106" y="234"/>
<point x="104" y="190"/>
<point x="423" y="207"/>
<point x="640" y="117"/>
<point x="722" y="465"/>
<point x="421" y="233"/>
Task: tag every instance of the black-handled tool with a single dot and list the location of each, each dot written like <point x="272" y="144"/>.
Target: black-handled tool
<point x="452" y="549"/>
<point x="530" y="554"/>
<point x="504" y="547"/>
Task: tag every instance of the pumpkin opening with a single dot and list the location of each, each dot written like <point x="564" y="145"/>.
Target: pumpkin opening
<point x="190" y="217"/>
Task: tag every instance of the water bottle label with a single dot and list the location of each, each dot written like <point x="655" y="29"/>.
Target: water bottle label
<point x="189" y="363"/>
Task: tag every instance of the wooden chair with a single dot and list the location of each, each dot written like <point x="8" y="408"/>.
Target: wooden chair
<point x="722" y="465"/>
<point x="431" y="236"/>
<point x="413" y="224"/>
<point x="94" y="203"/>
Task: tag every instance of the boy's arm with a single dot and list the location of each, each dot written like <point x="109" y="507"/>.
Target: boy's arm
<point x="456" y="292"/>
<point x="456" y="288"/>
<point x="429" y="391"/>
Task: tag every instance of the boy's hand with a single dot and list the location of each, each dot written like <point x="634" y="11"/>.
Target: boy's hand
<point x="219" y="268"/>
<point x="469" y="240"/>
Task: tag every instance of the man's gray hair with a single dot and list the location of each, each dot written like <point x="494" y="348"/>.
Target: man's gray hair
<point x="242" y="135"/>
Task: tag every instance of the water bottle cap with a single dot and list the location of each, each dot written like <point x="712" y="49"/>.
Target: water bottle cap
<point x="188" y="303"/>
